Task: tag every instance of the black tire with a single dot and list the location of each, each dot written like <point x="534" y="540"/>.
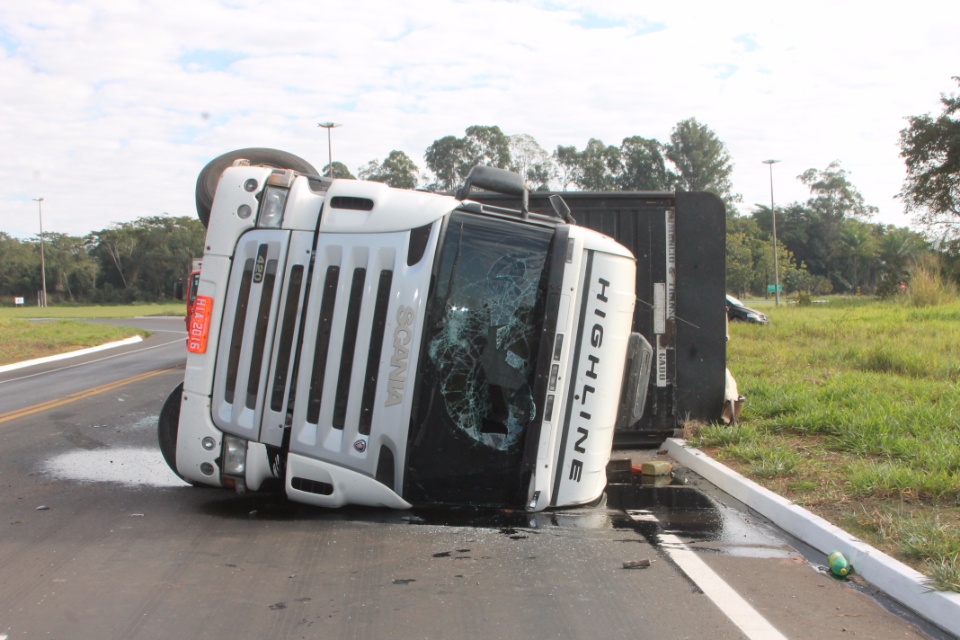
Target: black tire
<point x="210" y="174"/>
<point x="167" y="429"/>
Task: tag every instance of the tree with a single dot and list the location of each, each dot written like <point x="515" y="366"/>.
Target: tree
<point x="530" y="160"/>
<point x="833" y="200"/>
<point x="141" y="260"/>
<point x="72" y="270"/>
<point x="856" y="245"/>
<point x="931" y="148"/>
<point x="801" y="231"/>
<point x="488" y="146"/>
<point x="750" y="259"/>
<point x="114" y="248"/>
<point x="446" y="158"/>
<point x="643" y="167"/>
<point x="598" y="166"/>
<point x="566" y="160"/>
<point x="898" y="249"/>
<point x="701" y="160"/>
<point x="19" y="266"/>
<point x="451" y="158"/>
<point x="166" y="246"/>
<point x="397" y="170"/>
<point x="831" y="237"/>
<point x="833" y="196"/>
<point x="740" y="267"/>
<point x="340" y="170"/>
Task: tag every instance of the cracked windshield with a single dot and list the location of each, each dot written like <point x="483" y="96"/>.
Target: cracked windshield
<point x="484" y="336"/>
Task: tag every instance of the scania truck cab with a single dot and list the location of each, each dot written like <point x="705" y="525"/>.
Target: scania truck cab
<point x="354" y="343"/>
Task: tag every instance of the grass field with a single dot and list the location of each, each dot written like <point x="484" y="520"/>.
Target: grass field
<point x="23" y="338"/>
<point x="853" y="410"/>
<point x="175" y="308"/>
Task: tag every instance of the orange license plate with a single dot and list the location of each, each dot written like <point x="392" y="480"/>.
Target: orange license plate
<point x="200" y="325"/>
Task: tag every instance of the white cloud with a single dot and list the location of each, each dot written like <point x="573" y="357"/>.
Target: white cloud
<point x="110" y="109"/>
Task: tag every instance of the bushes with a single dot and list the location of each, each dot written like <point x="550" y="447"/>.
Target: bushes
<point x="928" y="287"/>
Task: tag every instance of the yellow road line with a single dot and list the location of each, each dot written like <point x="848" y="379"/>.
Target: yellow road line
<point x="79" y="395"/>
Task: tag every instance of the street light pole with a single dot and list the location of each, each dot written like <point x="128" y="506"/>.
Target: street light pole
<point x="773" y="214"/>
<point x="328" y="126"/>
<point x="43" y="268"/>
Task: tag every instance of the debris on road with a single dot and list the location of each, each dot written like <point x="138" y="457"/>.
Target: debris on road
<point x="654" y="468"/>
<point x="636" y="564"/>
<point x="838" y="564"/>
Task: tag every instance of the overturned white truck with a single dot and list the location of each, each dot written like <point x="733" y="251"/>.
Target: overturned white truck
<point x="359" y="344"/>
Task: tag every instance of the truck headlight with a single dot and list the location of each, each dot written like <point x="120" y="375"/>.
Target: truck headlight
<point x="234" y="456"/>
<point x="271" y="208"/>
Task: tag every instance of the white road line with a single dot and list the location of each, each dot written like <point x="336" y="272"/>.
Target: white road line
<point x="748" y="620"/>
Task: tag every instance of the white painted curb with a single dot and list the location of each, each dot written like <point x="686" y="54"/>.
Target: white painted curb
<point x="70" y="354"/>
<point x="894" y="578"/>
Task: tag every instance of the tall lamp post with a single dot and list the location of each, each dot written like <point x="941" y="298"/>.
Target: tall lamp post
<point x="773" y="215"/>
<point x="328" y="126"/>
<point x="43" y="268"/>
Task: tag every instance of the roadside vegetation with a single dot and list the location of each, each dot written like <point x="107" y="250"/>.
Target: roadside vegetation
<point x="23" y="337"/>
<point x="853" y="411"/>
<point x="68" y="311"/>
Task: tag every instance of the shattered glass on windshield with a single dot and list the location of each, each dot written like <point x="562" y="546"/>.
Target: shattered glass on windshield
<point x="487" y="338"/>
<point x="484" y="352"/>
<point x="475" y="402"/>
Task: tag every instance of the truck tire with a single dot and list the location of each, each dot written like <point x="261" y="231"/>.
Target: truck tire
<point x="210" y="174"/>
<point x="167" y="429"/>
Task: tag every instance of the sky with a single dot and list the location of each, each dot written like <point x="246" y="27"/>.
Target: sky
<point x="110" y="108"/>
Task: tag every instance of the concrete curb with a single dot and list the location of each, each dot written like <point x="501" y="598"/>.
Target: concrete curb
<point x="894" y="578"/>
<point x="70" y="354"/>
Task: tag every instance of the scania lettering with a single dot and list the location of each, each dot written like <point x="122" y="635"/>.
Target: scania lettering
<point x="359" y="344"/>
<point x="402" y="336"/>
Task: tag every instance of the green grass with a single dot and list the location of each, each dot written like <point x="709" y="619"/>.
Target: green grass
<point x="22" y="339"/>
<point x="175" y="308"/>
<point x="853" y="409"/>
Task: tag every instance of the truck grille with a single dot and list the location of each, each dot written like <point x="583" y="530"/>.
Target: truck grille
<point x="322" y="347"/>
<point x="258" y="335"/>
<point x="287" y="334"/>
<point x="381" y="299"/>
<point x="343" y="314"/>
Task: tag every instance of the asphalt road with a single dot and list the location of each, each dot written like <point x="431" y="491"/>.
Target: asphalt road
<point x="100" y="540"/>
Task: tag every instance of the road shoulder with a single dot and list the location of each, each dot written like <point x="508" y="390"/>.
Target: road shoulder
<point x="892" y="577"/>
